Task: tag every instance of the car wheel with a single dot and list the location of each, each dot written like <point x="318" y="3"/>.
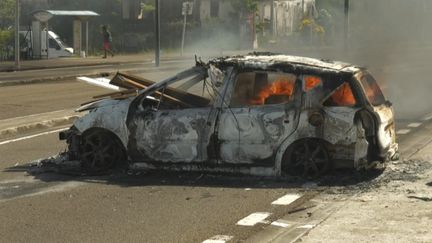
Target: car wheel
<point x="99" y="152"/>
<point x="308" y="159"/>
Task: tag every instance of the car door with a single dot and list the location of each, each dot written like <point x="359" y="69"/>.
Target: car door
<point x="164" y="129"/>
<point x="260" y="112"/>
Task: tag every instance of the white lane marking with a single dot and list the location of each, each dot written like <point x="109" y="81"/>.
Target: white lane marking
<point x="286" y="200"/>
<point x="427" y="118"/>
<point x="307" y="226"/>
<point x="248" y="189"/>
<point x="414" y="124"/>
<point x="253" y="219"/>
<point x="218" y="239"/>
<point x="281" y="223"/>
<point x="32" y="136"/>
<point x="403" y="131"/>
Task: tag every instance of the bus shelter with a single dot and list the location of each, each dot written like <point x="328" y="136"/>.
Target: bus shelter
<point x="40" y="21"/>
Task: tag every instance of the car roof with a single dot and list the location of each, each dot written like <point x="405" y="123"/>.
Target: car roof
<point x="264" y="60"/>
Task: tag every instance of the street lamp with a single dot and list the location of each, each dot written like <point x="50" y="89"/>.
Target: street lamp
<point x="17" y="43"/>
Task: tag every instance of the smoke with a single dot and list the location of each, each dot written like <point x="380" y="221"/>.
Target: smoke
<point x="392" y="38"/>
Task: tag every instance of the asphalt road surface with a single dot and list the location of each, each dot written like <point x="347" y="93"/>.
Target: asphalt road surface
<point x="153" y="206"/>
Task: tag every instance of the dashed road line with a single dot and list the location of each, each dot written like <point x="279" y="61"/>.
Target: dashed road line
<point x="32" y="136"/>
<point x="286" y="200"/>
<point x="414" y="125"/>
<point x="218" y="239"/>
<point x="427" y="118"/>
<point x="403" y="131"/>
<point x="307" y="226"/>
<point x="281" y="223"/>
<point x="253" y="219"/>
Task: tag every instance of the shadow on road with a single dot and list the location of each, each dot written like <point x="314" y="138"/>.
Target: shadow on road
<point x="127" y="178"/>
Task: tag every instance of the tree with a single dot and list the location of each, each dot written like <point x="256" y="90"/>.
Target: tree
<point x="7" y="13"/>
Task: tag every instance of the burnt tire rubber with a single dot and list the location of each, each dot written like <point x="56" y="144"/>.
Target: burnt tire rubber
<point x="100" y="152"/>
<point x="308" y="159"/>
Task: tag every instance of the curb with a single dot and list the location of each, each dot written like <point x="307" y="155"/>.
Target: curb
<point x="9" y="132"/>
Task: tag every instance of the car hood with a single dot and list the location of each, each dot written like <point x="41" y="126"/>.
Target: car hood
<point x="100" y="103"/>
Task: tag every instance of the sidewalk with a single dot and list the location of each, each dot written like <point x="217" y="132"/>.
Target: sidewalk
<point x="8" y="66"/>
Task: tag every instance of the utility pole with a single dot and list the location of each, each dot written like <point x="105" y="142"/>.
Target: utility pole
<point x="346" y="25"/>
<point x="187" y="8"/>
<point x="157" y="32"/>
<point x="17" y="44"/>
<point x="272" y="18"/>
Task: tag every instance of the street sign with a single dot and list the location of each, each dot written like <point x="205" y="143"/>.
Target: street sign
<point x="187" y="8"/>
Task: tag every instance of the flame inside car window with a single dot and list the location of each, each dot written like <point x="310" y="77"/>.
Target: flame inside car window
<point x="343" y="96"/>
<point x="281" y="89"/>
<point x="263" y="88"/>
<point x="312" y="82"/>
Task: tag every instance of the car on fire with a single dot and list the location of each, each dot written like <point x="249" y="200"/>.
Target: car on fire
<point x="261" y="114"/>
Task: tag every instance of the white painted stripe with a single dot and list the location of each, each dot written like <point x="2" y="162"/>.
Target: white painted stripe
<point x="101" y="82"/>
<point x="280" y="223"/>
<point x="414" y="125"/>
<point x="306" y="226"/>
<point x="286" y="200"/>
<point x="253" y="219"/>
<point x="32" y="136"/>
<point x="218" y="239"/>
<point x="427" y="118"/>
<point x="403" y="131"/>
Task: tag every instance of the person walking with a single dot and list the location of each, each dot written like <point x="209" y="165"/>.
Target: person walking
<point x="107" y="39"/>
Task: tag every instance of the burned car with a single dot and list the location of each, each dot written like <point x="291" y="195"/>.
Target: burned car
<point x="260" y="114"/>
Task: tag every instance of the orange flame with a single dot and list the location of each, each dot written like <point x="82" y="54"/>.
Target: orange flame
<point x="280" y="87"/>
<point x="344" y="96"/>
<point x="312" y="82"/>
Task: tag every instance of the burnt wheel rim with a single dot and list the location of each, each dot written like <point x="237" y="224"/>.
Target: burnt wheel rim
<point x="98" y="152"/>
<point x="309" y="159"/>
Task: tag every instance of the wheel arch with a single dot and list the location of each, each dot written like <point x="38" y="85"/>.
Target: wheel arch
<point x="288" y="144"/>
<point x="111" y="134"/>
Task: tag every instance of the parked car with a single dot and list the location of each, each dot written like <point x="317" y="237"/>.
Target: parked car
<point x="260" y="114"/>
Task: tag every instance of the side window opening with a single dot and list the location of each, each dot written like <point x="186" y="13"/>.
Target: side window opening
<point x="342" y="96"/>
<point x="311" y="82"/>
<point x="263" y="88"/>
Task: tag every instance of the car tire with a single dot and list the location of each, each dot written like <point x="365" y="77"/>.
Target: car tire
<point x="308" y="158"/>
<point x="99" y="152"/>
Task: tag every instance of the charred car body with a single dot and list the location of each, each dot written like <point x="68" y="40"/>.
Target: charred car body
<point x="260" y="114"/>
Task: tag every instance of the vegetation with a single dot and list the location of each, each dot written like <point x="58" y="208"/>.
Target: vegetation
<point x="7" y="13"/>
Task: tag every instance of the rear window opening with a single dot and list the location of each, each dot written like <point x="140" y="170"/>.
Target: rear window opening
<point x="372" y="90"/>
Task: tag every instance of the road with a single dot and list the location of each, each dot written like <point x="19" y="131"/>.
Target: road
<point x="156" y="206"/>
